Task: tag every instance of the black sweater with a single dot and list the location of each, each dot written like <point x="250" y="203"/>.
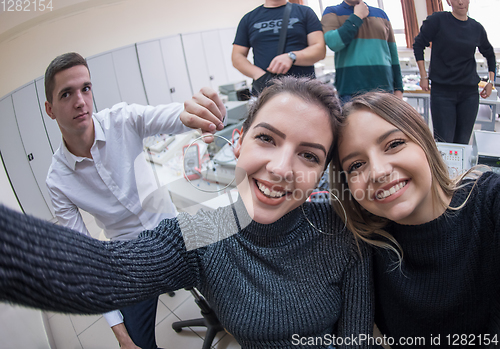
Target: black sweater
<point x="454" y="44"/>
<point x="449" y="283"/>
<point x="272" y="286"/>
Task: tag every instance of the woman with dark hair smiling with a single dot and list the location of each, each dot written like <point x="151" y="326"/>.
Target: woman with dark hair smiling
<point x="278" y="272"/>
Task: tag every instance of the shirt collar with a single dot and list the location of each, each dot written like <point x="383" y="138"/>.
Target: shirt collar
<point x="73" y="159"/>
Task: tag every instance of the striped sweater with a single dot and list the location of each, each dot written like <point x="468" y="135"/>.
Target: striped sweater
<point x="366" y="55"/>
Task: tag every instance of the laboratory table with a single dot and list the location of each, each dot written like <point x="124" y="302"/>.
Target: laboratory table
<point x="487" y="123"/>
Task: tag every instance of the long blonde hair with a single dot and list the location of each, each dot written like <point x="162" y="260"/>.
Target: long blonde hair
<point x="363" y="224"/>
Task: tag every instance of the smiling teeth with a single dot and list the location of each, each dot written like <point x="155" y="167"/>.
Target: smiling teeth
<point x="271" y="193"/>
<point x="385" y="193"/>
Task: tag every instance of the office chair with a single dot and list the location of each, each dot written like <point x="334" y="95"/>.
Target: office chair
<point x="209" y="320"/>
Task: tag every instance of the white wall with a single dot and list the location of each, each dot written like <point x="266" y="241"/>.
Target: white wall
<point x="29" y="41"/>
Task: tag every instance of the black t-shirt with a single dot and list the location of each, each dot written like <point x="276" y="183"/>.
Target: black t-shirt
<point x="260" y="30"/>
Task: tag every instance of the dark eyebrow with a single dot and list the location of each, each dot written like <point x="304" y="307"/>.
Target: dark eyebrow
<point x="314" y="145"/>
<point x="64" y="90"/>
<point x="272" y="129"/>
<point x="380" y="139"/>
<point x="68" y="89"/>
<point x="282" y="135"/>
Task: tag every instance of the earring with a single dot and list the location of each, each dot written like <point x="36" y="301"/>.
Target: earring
<point x="321" y="231"/>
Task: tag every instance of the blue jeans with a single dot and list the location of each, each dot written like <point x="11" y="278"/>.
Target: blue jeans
<point x="140" y="320"/>
<point x="453" y="114"/>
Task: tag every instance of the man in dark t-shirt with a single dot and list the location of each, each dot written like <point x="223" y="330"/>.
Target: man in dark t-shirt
<point x="260" y="28"/>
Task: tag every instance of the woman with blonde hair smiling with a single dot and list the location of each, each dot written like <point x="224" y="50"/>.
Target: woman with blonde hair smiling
<point x="437" y="265"/>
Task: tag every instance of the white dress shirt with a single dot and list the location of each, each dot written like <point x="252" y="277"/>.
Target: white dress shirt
<point x="117" y="185"/>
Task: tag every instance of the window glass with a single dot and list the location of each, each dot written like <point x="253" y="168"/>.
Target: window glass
<point x="395" y="13"/>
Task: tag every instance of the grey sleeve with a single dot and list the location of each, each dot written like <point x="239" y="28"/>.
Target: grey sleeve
<point x="46" y="266"/>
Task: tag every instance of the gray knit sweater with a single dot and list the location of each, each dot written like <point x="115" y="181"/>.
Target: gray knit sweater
<point x="272" y="286"/>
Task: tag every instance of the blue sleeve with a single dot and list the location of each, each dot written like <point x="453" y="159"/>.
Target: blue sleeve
<point x="242" y="38"/>
<point x="312" y="22"/>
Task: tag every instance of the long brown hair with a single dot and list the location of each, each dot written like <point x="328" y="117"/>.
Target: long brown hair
<point x="363" y="224"/>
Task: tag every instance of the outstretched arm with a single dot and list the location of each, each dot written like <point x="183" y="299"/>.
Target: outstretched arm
<point x="50" y="267"/>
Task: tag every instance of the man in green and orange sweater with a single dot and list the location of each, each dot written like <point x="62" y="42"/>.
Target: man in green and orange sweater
<point x="366" y="55"/>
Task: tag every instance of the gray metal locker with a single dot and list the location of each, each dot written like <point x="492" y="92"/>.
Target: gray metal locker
<point x="215" y="58"/>
<point x="226" y="38"/>
<point x="128" y="75"/>
<point x="153" y="73"/>
<point x="51" y="127"/>
<point x="17" y="166"/>
<point x="116" y="78"/>
<point x="33" y="135"/>
<point x="176" y="68"/>
<point x="104" y="83"/>
<point x="195" y="60"/>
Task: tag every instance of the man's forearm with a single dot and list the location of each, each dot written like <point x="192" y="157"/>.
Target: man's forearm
<point x="123" y="337"/>
<point x="310" y="55"/>
<point x="246" y="68"/>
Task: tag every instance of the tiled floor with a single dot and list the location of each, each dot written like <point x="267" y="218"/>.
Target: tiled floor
<point x="93" y="332"/>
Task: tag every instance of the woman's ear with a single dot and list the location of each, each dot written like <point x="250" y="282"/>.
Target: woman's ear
<point x="237" y="148"/>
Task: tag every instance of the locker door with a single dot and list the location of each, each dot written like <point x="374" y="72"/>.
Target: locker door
<point x="33" y="135"/>
<point x="16" y="163"/>
<point x="153" y="73"/>
<point x="104" y="83"/>
<point x="177" y="71"/>
<point x="226" y="38"/>
<point x="128" y="76"/>
<point x="195" y="60"/>
<point x="51" y="127"/>
<point x="215" y="58"/>
<point x="7" y="195"/>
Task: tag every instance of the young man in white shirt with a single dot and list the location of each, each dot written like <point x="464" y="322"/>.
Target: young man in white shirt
<point x="100" y="167"/>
